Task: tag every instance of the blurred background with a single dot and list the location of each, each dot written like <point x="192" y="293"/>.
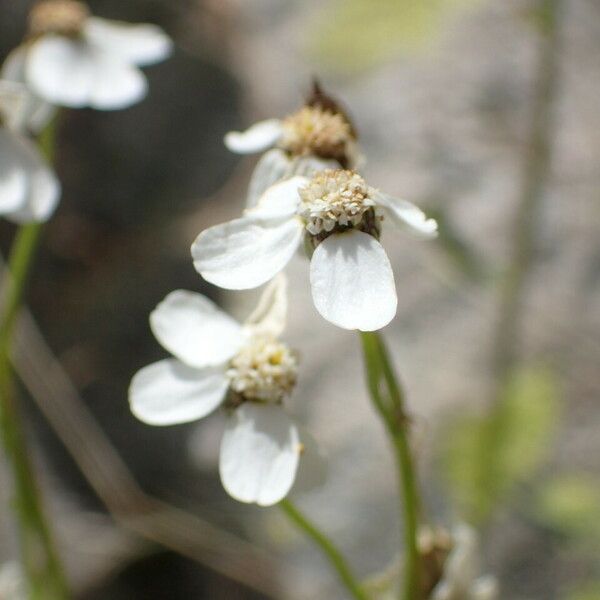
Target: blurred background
<point x="486" y="114"/>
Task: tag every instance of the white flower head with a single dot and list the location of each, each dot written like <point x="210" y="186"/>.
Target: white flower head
<point x="339" y="218"/>
<point x="246" y="369"/>
<point x="29" y="190"/>
<point x="318" y="136"/>
<point x="74" y="59"/>
<point x="12" y="582"/>
<point x="451" y="566"/>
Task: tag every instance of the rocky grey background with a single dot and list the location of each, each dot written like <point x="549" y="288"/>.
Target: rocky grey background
<point x="444" y="126"/>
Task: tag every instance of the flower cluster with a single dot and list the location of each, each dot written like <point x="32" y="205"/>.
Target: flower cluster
<point x="70" y="59"/>
<point x="318" y="136"/>
<point x="303" y="193"/>
<point x="74" y="59"/>
<point x="340" y="217"/>
<point x="243" y="368"/>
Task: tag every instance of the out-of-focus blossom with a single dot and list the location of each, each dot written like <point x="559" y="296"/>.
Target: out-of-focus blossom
<point x="74" y="59"/>
<point x="319" y="136"/>
<point x="451" y="566"/>
<point x="339" y="218"/>
<point x="12" y="582"/>
<point x="244" y="368"/>
<point x="29" y="190"/>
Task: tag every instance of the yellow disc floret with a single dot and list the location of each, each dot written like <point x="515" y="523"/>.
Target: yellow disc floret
<point x="334" y="199"/>
<point x="319" y="132"/>
<point x="60" y="17"/>
<point x="265" y="370"/>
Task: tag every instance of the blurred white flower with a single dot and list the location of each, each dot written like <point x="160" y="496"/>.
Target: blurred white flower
<point x="243" y="367"/>
<point x="12" y="582"/>
<point x="319" y="136"/>
<point x="29" y="190"/>
<point x="339" y="217"/>
<point x="74" y="59"/>
<point x="459" y="556"/>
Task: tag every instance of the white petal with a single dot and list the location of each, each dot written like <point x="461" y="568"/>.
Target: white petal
<point x="195" y="330"/>
<point x="13" y="176"/>
<point x="280" y="200"/>
<point x="273" y="166"/>
<point x="259" y="137"/>
<point x="29" y="190"/>
<point x="168" y="392"/>
<point x="269" y="317"/>
<point x="311" y="165"/>
<point x="461" y="565"/>
<point x="74" y="74"/>
<point x="245" y="253"/>
<point x="28" y="111"/>
<point x="260" y="452"/>
<point x="352" y="281"/>
<point x="485" y="588"/>
<point x="139" y="44"/>
<point x="407" y="215"/>
<point x="117" y="85"/>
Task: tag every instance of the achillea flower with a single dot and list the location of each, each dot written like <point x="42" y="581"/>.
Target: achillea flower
<point x="74" y="59"/>
<point x="29" y="190"/>
<point x="316" y="137"/>
<point x="244" y="368"/>
<point x="339" y="218"/>
<point x="451" y="566"/>
<point x="12" y="582"/>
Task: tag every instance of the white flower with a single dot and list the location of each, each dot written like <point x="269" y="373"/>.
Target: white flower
<point x="12" y="582"/>
<point x="319" y="136"/>
<point x="339" y="216"/>
<point x="459" y="578"/>
<point x="29" y="190"/>
<point x="243" y="367"/>
<point x="74" y="59"/>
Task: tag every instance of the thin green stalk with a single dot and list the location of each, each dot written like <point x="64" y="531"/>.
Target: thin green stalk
<point x="337" y="561"/>
<point x="40" y="561"/>
<point x="535" y="170"/>
<point x="536" y="165"/>
<point x="388" y="399"/>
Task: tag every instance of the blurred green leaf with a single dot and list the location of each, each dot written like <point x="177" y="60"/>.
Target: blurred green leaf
<point x="589" y="592"/>
<point x="571" y="505"/>
<point x="356" y="34"/>
<point x="484" y="458"/>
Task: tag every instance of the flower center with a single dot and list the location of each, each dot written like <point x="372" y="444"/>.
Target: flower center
<point x="317" y="131"/>
<point x="336" y="201"/>
<point x="264" y="370"/>
<point x="61" y="17"/>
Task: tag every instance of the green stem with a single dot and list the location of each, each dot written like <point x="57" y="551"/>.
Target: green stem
<point x="338" y="562"/>
<point x="388" y="399"/>
<point x="536" y="165"/>
<point x="40" y="561"/>
<point x="535" y="170"/>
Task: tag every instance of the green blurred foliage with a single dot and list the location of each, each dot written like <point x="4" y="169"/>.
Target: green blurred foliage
<point x="571" y="504"/>
<point x="353" y="35"/>
<point x="485" y="457"/>
<point x="589" y="592"/>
